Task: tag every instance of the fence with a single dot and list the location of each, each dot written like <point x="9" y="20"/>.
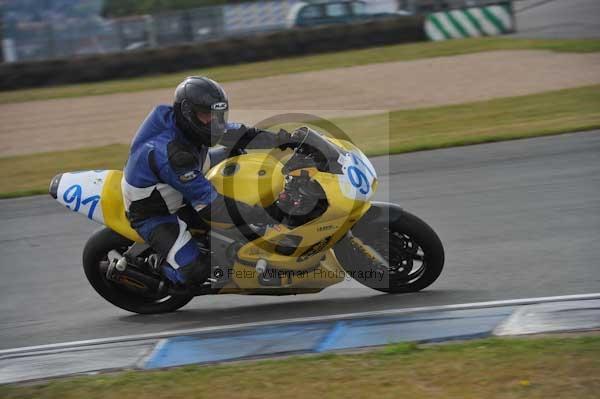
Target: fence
<point x="280" y="44"/>
<point x="69" y="37"/>
<point x="39" y="40"/>
<point x="422" y="7"/>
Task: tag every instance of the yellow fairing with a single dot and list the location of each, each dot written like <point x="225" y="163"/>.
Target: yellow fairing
<point x="113" y="207"/>
<point x="245" y="279"/>
<point x="309" y="263"/>
<point x="257" y="176"/>
<point x="312" y="266"/>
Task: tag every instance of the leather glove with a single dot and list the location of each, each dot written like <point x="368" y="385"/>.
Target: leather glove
<point x="289" y="140"/>
<point x="254" y="138"/>
<point x="284" y="140"/>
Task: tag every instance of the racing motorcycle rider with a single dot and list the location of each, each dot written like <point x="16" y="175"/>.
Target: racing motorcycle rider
<point x="165" y="170"/>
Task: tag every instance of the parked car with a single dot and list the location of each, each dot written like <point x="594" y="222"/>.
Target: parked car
<point x="306" y="14"/>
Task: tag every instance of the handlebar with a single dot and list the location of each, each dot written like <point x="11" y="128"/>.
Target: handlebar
<point x="313" y="150"/>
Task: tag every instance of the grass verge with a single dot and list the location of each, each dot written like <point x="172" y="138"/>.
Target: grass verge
<point x="500" y="119"/>
<point x="341" y="59"/>
<point x="490" y="368"/>
<point x="31" y="174"/>
<point x="397" y="132"/>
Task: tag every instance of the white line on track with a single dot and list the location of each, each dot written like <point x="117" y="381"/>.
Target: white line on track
<point x="234" y="327"/>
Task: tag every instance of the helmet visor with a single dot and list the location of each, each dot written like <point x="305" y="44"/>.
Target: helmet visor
<point x="218" y="125"/>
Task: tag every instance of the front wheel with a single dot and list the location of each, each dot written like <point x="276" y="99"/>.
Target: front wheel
<point x="392" y="251"/>
<point x="96" y="251"/>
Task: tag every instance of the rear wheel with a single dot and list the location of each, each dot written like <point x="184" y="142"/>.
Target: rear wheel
<point x="96" y="252"/>
<point x="396" y="255"/>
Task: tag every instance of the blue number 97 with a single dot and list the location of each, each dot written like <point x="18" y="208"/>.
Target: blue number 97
<point x="358" y="179"/>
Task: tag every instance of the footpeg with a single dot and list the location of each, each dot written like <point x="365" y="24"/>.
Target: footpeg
<point x="121" y="264"/>
<point x="266" y="276"/>
<point x="261" y="266"/>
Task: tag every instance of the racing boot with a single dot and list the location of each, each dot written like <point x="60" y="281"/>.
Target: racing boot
<point x="188" y="277"/>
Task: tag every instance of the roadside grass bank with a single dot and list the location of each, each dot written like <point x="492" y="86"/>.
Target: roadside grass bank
<point x="403" y="52"/>
<point x="396" y="132"/>
<point x="548" y="367"/>
<point x="501" y="119"/>
<point x="30" y="174"/>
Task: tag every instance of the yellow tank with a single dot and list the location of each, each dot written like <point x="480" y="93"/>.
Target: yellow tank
<point x="256" y="180"/>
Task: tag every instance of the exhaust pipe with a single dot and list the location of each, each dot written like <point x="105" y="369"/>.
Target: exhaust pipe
<point x="53" y="189"/>
<point x="119" y="272"/>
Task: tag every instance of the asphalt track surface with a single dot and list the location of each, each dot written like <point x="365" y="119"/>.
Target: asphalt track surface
<point x="518" y="219"/>
<point x="558" y="19"/>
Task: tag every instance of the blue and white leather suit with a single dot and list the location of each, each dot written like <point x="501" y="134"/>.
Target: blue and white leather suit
<point x="165" y="172"/>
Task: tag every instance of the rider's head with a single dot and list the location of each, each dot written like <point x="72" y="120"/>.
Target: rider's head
<point x="201" y="109"/>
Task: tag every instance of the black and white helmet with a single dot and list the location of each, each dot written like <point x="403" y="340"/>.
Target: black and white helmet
<point x="200" y="94"/>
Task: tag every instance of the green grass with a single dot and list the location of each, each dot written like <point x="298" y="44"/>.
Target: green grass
<point x="31" y="174"/>
<point x="306" y="63"/>
<point x="401" y="131"/>
<point x="500" y="119"/>
<point x="490" y="368"/>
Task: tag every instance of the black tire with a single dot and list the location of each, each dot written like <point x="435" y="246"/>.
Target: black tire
<point x="397" y="236"/>
<point x="95" y="251"/>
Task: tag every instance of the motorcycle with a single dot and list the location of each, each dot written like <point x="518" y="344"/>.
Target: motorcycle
<point x="330" y="231"/>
